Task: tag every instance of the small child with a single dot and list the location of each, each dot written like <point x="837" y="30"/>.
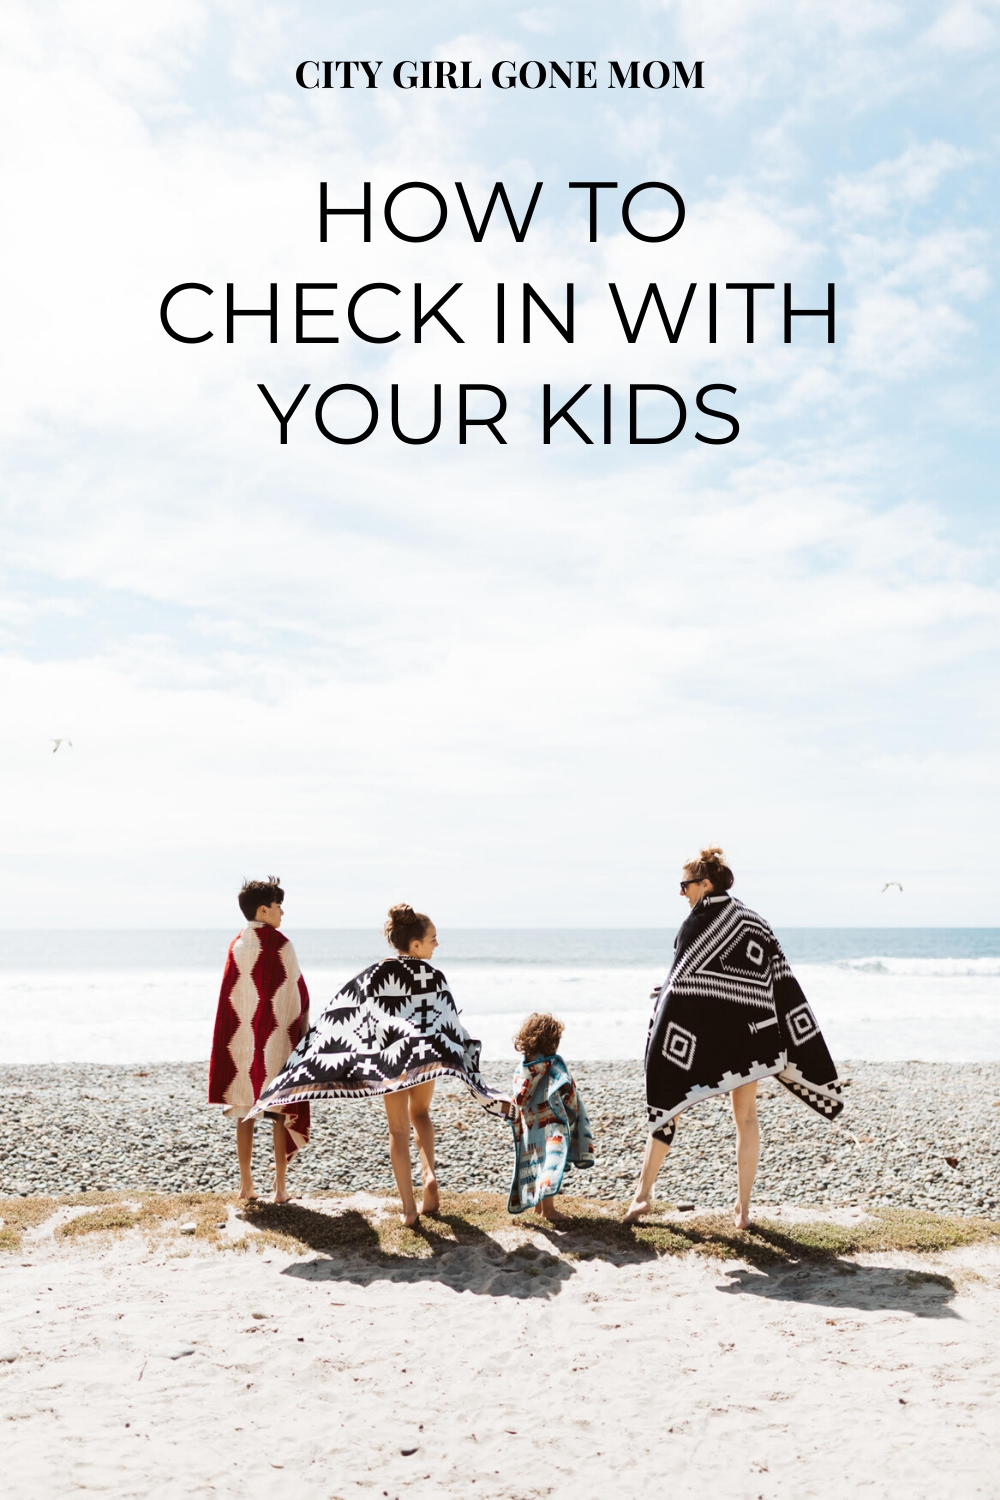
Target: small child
<point x="263" y="1012"/>
<point x="551" y="1129"/>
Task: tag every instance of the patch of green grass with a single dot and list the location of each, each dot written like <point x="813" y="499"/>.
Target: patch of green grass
<point x="163" y="1213"/>
<point x="768" y="1243"/>
<point x="102" y="1220"/>
<point x="474" y="1218"/>
<point x="114" y="1213"/>
<point x="482" y="1219"/>
<point x="19" y="1214"/>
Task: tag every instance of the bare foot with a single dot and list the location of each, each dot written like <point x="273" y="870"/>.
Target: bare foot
<point x="741" y="1217"/>
<point x="430" y="1201"/>
<point x="548" y="1210"/>
<point x="282" y="1197"/>
<point x="247" y="1193"/>
<point x="638" y="1207"/>
<point x="409" y="1221"/>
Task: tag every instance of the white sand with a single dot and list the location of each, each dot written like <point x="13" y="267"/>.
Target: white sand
<point x="586" y="1379"/>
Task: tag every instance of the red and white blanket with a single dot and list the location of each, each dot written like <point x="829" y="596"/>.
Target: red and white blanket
<point x="263" y="1012"/>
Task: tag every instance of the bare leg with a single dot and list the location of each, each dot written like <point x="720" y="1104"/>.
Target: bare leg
<point x="244" y="1154"/>
<point x="653" y="1160"/>
<point x="398" y="1115"/>
<point x="281" y="1193"/>
<point x="747" y="1149"/>
<point x="419" y="1100"/>
<point x="547" y="1209"/>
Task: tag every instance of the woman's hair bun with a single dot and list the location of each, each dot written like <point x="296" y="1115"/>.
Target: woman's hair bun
<point x="405" y="926"/>
<point x="711" y="865"/>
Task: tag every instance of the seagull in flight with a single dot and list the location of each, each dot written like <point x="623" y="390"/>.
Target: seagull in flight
<point x="57" y="743"/>
<point x="888" y="884"/>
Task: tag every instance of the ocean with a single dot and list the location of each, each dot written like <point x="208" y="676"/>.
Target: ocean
<point x="881" y="994"/>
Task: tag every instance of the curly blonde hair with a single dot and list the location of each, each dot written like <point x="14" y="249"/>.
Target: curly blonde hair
<point x="539" y="1036"/>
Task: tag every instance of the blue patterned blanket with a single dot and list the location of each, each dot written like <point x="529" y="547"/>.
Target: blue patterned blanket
<point x="551" y="1131"/>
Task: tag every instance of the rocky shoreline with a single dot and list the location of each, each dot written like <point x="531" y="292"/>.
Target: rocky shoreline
<point x="913" y="1135"/>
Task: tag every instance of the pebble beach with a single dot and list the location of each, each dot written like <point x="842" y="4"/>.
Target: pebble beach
<point x="912" y="1135"/>
<point x="322" y="1347"/>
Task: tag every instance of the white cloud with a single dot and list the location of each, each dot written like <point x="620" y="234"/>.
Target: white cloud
<point x="962" y="28"/>
<point x="518" y="676"/>
<point x="893" y="185"/>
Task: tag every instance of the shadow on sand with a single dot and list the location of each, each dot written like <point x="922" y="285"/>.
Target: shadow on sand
<point x="460" y="1253"/>
<point x="842" y="1284"/>
<point x="830" y="1281"/>
<point x="467" y="1260"/>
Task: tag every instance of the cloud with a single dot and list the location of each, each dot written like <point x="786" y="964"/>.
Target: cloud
<point x="889" y="186"/>
<point x="962" y="28"/>
<point x="517" y="676"/>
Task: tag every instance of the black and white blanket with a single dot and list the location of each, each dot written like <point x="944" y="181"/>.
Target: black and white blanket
<point x="391" y="1027"/>
<point x="731" y="1010"/>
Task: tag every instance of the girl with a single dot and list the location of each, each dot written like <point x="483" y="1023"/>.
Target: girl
<point x="391" y="1031"/>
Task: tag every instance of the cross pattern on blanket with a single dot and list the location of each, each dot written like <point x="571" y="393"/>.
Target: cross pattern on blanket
<point x="392" y="1026"/>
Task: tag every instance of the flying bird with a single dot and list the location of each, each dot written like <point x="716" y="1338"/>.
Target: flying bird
<point x="57" y="743"/>
<point x="888" y="884"/>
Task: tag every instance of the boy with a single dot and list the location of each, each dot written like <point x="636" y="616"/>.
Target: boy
<point x="263" y="1012"/>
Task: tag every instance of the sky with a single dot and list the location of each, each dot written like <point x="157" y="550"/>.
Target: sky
<point x="521" y="684"/>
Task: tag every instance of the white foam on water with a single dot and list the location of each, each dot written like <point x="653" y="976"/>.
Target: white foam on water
<point x="882" y="1009"/>
<point x="922" y="968"/>
<point x="142" y="1016"/>
<point x="926" y="1013"/>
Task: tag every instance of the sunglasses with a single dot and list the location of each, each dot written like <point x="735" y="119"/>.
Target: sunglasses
<point x="686" y="883"/>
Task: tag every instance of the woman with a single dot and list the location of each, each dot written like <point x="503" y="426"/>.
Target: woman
<point x="730" y="1012"/>
<point x="391" y="1031"/>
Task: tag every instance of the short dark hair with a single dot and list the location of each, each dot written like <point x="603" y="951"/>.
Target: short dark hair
<point x="259" y="893"/>
<point x="539" y="1036"/>
<point x="405" y="926"/>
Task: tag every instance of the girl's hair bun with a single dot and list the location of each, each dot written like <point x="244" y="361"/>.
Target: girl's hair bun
<point x="405" y="926"/>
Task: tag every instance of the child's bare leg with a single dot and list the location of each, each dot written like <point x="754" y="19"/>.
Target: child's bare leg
<point x="652" y="1161"/>
<point x="281" y="1194"/>
<point x="547" y="1209"/>
<point x="398" y="1116"/>
<point x="747" y="1149"/>
<point x="419" y="1100"/>
<point x="244" y="1154"/>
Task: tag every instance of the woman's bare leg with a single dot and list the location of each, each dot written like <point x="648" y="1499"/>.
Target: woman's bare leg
<point x="747" y="1149"/>
<point x="398" y="1115"/>
<point x="281" y="1193"/>
<point x="419" y="1099"/>
<point x="653" y="1160"/>
<point x="244" y="1155"/>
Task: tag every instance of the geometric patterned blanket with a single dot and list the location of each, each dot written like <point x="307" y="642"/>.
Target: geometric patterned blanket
<point x="730" y="1011"/>
<point x="263" y="1011"/>
<point x="551" y="1131"/>
<point x="392" y="1026"/>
